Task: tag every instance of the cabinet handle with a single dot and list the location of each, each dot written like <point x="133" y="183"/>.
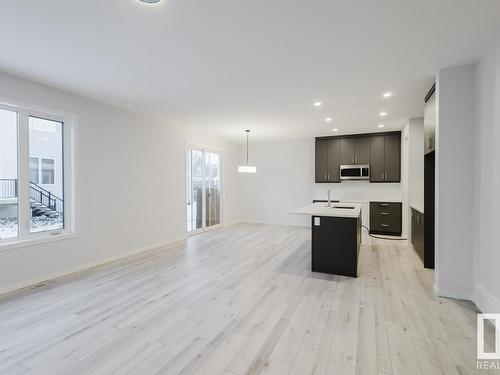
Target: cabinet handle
<point x="384" y="225"/>
<point x="382" y="175"/>
<point x="384" y="204"/>
<point x="328" y="177"/>
<point x="384" y="213"/>
<point x="325" y="176"/>
<point x="386" y="176"/>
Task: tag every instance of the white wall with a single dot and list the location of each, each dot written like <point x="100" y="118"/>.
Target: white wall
<point x="487" y="183"/>
<point x="416" y="162"/>
<point x="455" y="182"/>
<point x="131" y="185"/>
<point x="285" y="181"/>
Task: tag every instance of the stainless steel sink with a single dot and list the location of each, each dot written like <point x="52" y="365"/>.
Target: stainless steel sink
<point x="342" y="207"/>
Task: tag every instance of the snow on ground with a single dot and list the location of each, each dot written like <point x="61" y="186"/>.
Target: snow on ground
<point x="9" y="226"/>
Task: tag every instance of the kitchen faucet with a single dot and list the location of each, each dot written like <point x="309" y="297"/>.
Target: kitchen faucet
<point x="329" y="197"/>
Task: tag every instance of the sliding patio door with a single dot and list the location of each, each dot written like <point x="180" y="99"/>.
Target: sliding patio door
<point x="204" y="193"/>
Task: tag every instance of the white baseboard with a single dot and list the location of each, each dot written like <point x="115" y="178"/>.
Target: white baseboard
<point x="281" y="223"/>
<point x="59" y="274"/>
<point x="452" y="294"/>
<point x="485" y="301"/>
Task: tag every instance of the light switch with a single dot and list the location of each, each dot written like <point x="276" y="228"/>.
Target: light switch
<point x="317" y="222"/>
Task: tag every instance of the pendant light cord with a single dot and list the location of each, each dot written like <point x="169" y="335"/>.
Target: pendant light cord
<point x="247" y="131"/>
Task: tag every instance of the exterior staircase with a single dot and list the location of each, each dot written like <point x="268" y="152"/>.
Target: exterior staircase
<point x="44" y="203"/>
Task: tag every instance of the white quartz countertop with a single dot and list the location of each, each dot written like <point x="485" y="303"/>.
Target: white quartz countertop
<point x="321" y="209"/>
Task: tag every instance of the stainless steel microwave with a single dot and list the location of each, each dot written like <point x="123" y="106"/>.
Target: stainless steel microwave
<point x="354" y="172"/>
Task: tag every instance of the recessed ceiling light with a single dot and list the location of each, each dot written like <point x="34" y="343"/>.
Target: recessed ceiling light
<point x="150" y="1"/>
<point x="382" y="114"/>
<point x="381" y="125"/>
<point x="335" y="130"/>
<point x="387" y="94"/>
<point x="318" y="104"/>
<point x="328" y="119"/>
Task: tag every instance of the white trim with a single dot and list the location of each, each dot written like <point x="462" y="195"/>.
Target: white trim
<point x="38" y="238"/>
<point x="204" y="149"/>
<point x="485" y="301"/>
<point x="59" y="274"/>
<point x="450" y="294"/>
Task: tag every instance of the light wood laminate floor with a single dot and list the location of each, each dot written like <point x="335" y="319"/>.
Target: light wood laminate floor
<point x="240" y="300"/>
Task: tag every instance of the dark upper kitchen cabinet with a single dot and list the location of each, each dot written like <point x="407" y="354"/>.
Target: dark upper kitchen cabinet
<point x="333" y="169"/>
<point x="321" y="160"/>
<point x="430" y="121"/>
<point x="355" y="150"/>
<point x="347" y="151"/>
<point x="377" y="165"/>
<point x="392" y="158"/>
<point x="385" y="158"/>
<point x="327" y="164"/>
<point x="381" y="151"/>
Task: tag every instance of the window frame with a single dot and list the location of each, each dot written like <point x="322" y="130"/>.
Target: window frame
<point x="204" y="150"/>
<point x="70" y="125"/>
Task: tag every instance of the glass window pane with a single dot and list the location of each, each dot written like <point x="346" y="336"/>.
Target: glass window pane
<point x="212" y="193"/>
<point x="195" y="189"/>
<point x="9" y="227"/>
<point x="48" y="171"/>
<point x="34" y="170"/>
<point x="47" y="195"/>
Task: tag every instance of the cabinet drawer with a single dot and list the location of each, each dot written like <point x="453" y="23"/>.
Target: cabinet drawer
<point x="385" y="209"/>
<point x="389" y="226"/>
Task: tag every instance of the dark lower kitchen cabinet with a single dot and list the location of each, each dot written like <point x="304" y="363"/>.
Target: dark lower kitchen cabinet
<point x="385" y="158"/>
<point x="327" y="163"/>
<point x="386" y="218"/>
<point x="417" y="232"/>
<point x="335" y="243"/>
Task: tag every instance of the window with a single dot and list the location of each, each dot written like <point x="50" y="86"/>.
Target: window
<point x="35" y="175"/>
<point x="46" y="196"/>
<point x="9" y="194"/>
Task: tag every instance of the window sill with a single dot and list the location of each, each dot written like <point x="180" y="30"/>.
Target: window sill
<point x="39" y="240"/>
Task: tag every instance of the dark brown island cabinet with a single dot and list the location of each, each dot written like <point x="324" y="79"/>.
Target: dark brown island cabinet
<point x="381" y="151"/>
<point x="335" y="244"/>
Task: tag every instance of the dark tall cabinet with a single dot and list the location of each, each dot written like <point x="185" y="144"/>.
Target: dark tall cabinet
<point x="429" y="206"/>
<point x="429" y="177"/>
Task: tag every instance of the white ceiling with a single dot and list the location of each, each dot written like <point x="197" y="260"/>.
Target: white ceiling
<point x="227" y="65"/>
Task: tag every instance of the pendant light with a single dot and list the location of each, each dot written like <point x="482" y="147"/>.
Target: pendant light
<point x="247" y="168"/>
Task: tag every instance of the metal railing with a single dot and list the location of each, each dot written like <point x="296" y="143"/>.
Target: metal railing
<point x="8" y="188"/>
<point x="46" y="198"/>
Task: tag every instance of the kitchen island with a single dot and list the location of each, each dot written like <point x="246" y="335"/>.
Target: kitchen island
<point x="335" y="237"/>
